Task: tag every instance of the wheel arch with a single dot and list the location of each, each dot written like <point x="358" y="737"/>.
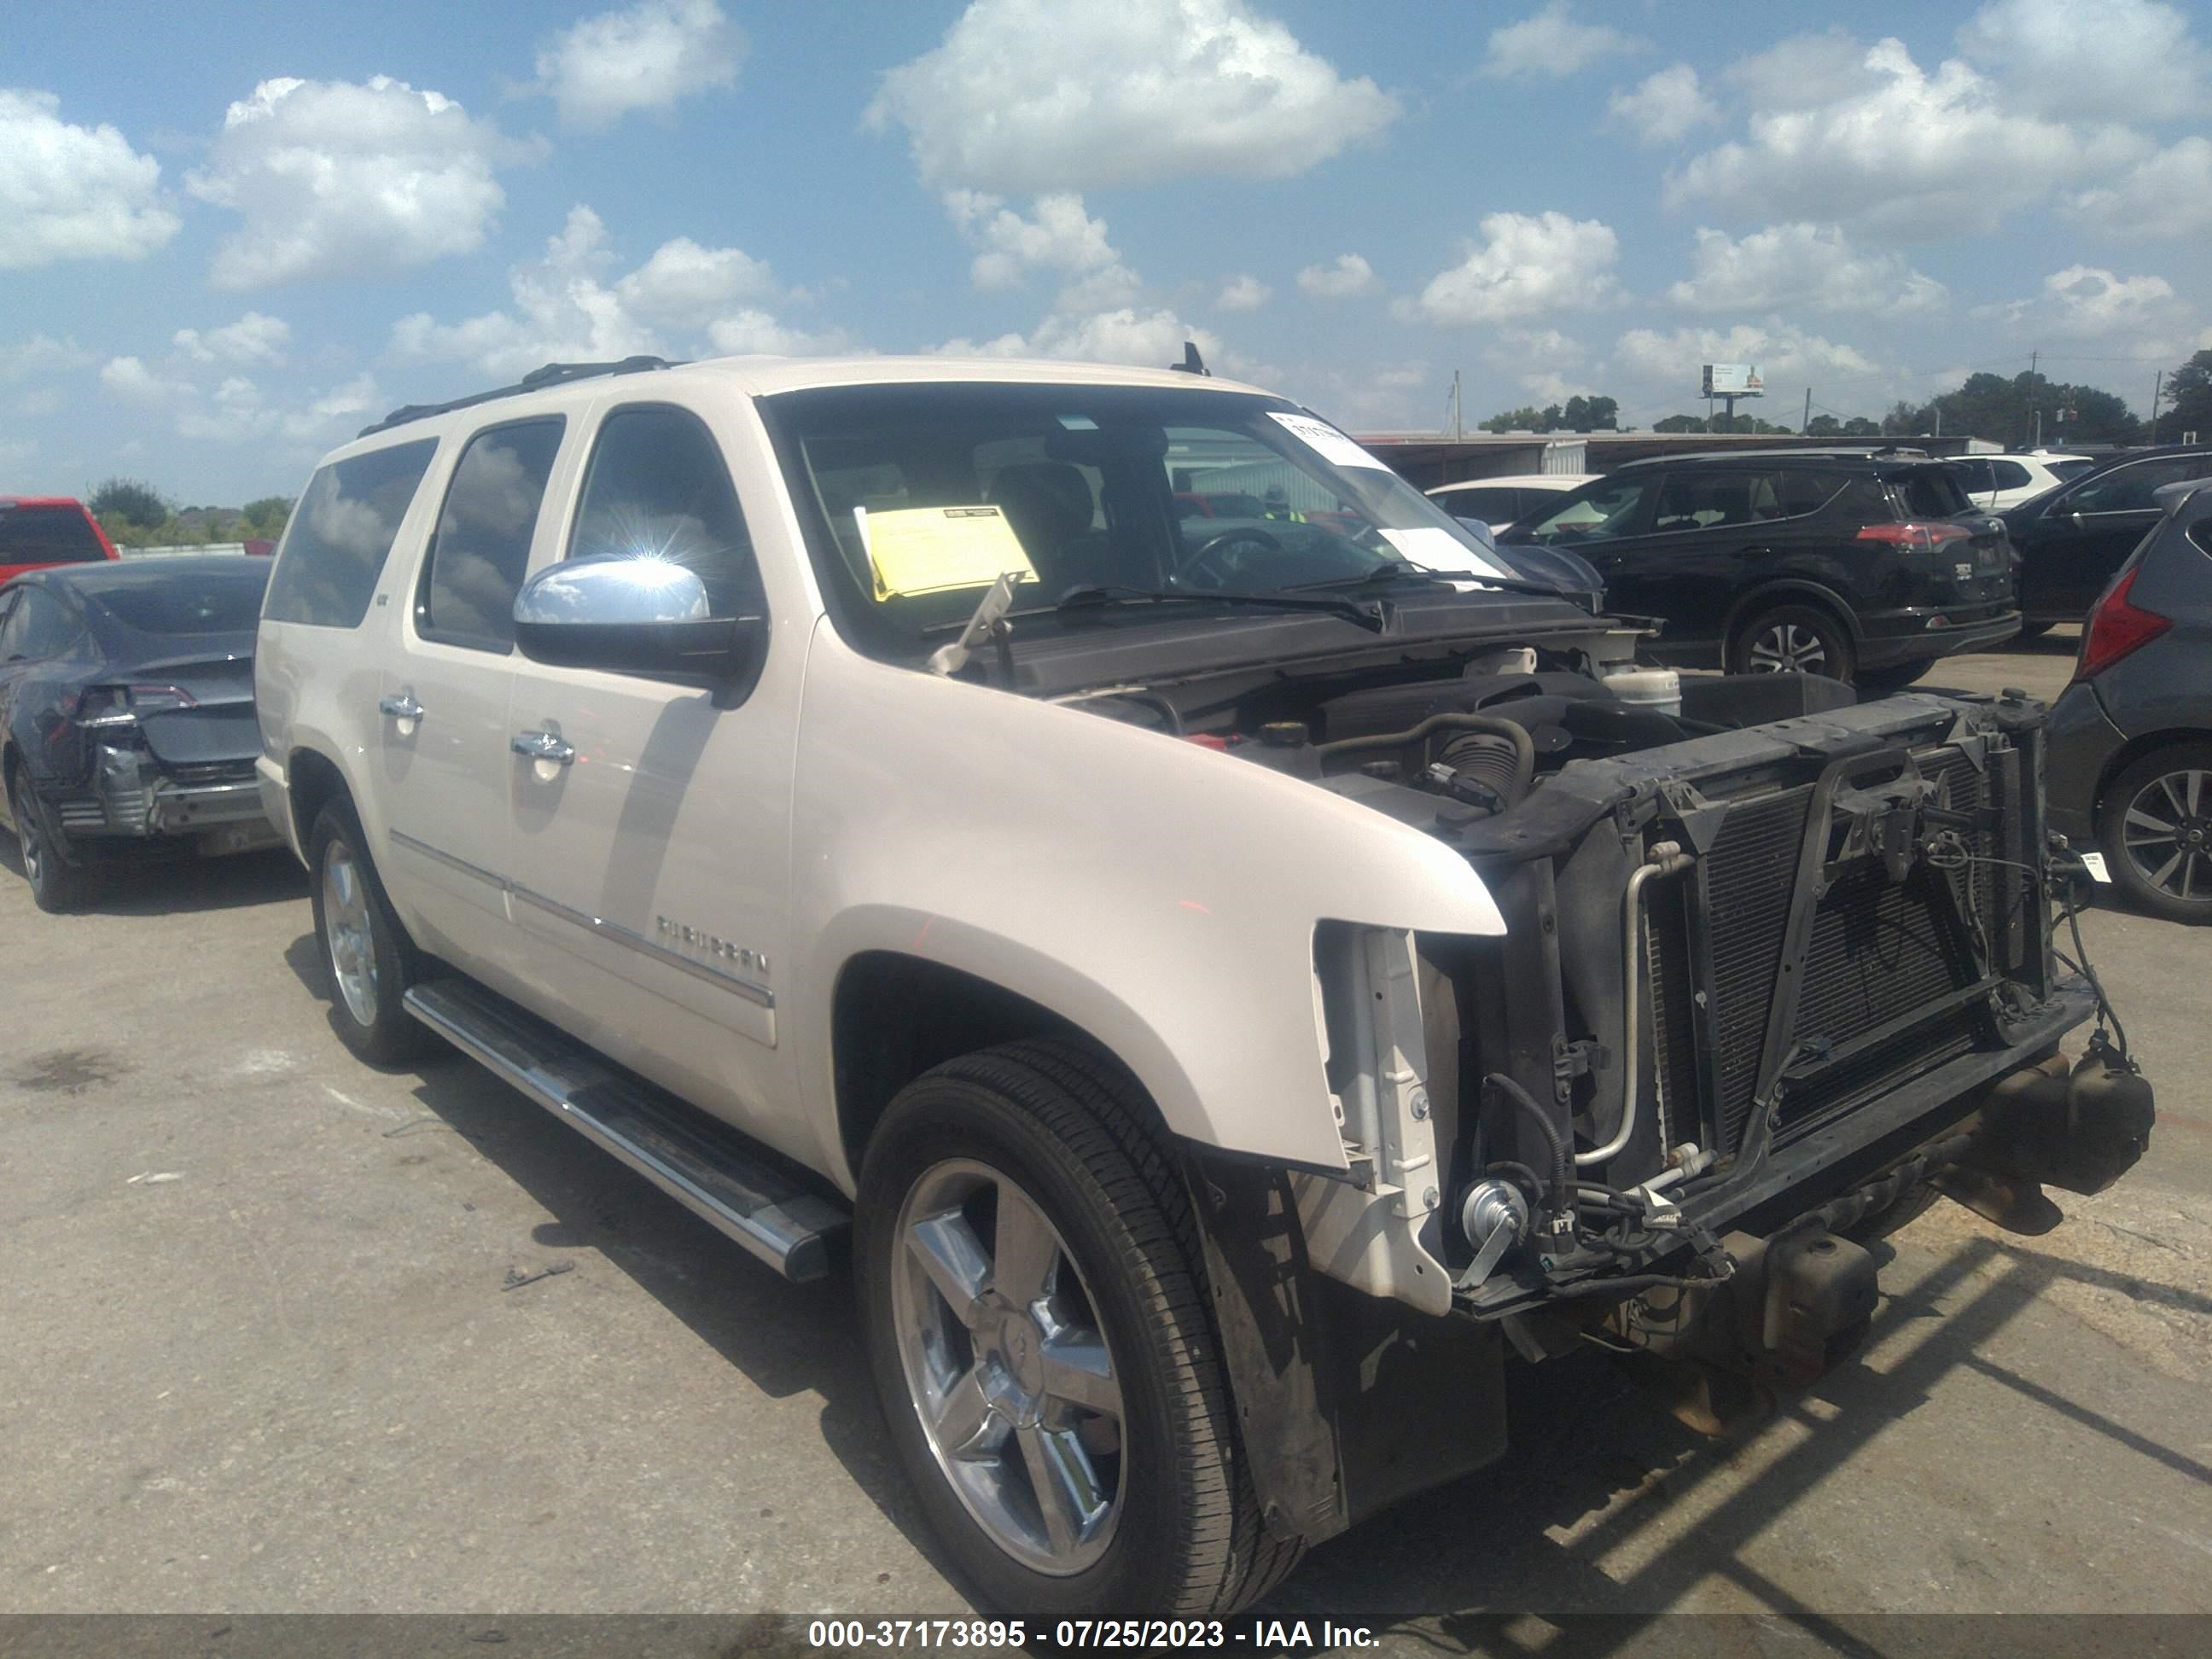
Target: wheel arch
<point x="895" y="1014"/>
<point x="313" y="779"/>
<point x="1798" y="590"/>
<point x="2136" y="749"/>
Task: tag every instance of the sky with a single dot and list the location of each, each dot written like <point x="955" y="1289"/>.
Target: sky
<point x="236" y="233"/>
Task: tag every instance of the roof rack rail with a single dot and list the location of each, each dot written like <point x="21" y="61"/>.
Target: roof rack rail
<point x="536" y="380"/>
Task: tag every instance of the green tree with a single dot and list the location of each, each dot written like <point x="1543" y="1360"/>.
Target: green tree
<point x="1527" y="418"/>
<point x="1680" y="424"/>
<point x="1591" y="414"/>
<point x="265" y="518"/>
<point x="2191" y="388"/>
<point x="133" y="501"/>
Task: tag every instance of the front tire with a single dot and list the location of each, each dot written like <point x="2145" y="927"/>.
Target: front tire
<point x="1792" y="639"/>
<point x="1033" y="1306"/>
<point x="367" y="954"/>
<point x="57" y="886"/>
<point x="2155" y="823"/>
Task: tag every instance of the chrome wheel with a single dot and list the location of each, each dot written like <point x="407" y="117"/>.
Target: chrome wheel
<point x="2167" y="833"/>
<point x="1786" y="648"/>
<point x="1006" y="1367"/>
<point x="351" y="932"/>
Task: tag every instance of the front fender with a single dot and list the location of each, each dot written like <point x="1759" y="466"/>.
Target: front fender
<point x="1159" y="896"/>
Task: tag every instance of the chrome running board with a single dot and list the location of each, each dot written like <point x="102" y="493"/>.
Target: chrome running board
<point x="701" y="1162"/>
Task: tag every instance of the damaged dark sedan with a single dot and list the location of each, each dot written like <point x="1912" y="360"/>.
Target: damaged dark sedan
<point x="126" y="716"/>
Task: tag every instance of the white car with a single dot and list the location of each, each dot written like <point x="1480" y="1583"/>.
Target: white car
<point x="1500" y="501"/>
<point x="1999" y="482"/>
<point x="1228" y="984"/>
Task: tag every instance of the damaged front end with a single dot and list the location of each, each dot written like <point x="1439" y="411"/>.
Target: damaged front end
<point x="1757" y="991"/>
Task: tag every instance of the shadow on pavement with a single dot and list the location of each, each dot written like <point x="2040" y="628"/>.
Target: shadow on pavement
<point x="184" y="885"/>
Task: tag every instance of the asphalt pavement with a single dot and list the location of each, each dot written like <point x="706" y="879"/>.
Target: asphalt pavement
<point x="265" y="1350"/>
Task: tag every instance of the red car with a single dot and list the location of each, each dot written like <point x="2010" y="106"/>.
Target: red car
<point x="37" y="531"/>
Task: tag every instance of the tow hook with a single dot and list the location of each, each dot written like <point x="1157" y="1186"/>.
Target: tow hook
<point x="1797" y="1305"/>
<point x="2079" y="1128"/>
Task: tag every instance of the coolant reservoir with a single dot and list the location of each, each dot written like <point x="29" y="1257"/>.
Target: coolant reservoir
<point x="1659" y="689"/>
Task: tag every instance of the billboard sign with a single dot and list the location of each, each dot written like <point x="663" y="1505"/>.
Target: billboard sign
<point x="1733" y="380"/>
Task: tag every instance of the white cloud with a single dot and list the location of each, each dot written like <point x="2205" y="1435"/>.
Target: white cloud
<point x="334" y="178"/>
<point x="1551" y="45"/>
<point x="1031" y="95"/>
<point x="1059" y="235"/>
<point x="2122" y="60"/>
<point x="1347" y="277"/>
<point x="38" y="356"/>
<point x="1149" y="339"/>
<point x="1659" y="372"/>
<point x="565" y="311"/>
<point x="1787" y="267"/>
<point x="1548" y="365"/>
<point x="643" y="56"/>
<point x="71" y="192"/>
<point x="1526" y="265"/>
<point x="685" y="285"/>
<point x="252" y="338"/>
<point x="2168" y="194"/>
<point x="1803" y="71"/>
<point x="129" y="378"/>
<point x="1664" y="106"/>
<point x="1242" y="293"/>
<point x="1913" y="155"/>
<point x="2089" y="302"/>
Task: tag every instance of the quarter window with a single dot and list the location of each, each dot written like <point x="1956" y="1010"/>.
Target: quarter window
<point x="658" y="488"/>
<point x="480" y="547"/>
<point x="341" y="533"/>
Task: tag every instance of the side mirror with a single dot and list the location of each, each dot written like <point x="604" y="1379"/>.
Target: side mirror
<point x="629" y="614"/>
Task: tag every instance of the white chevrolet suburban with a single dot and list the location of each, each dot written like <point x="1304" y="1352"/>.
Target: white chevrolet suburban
<point x="1230" y="986"/>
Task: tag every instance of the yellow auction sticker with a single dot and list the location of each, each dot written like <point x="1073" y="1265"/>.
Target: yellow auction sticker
<point x="932" y="549"/>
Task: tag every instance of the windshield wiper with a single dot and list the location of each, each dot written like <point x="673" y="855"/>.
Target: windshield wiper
<point x="1398" y="572"/>
<point x="1078" y="599"/>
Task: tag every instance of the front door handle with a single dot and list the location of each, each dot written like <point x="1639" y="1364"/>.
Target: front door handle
<point x="401" y="707"/>
<point x="542" y="746"/>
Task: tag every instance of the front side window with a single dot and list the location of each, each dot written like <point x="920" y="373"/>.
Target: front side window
<point x="1602" y="512"/>
<point x="341" y="533"/>
<point x="480" y="547"/>
<point x="47" y="535"/>
<point x="919" y="496"/>
<point x="658" y="488"/>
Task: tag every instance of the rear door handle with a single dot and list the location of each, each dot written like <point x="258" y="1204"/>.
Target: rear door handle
<point x="542" y="746"/>
<point x="401" y="707"/>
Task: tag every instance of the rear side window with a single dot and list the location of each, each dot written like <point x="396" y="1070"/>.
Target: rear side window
<point x="2011" y="474"/>
<point x="1500" y="505"/>
<point x="47" y="535"/>
<point x="482" y="544"/>
<point x="340" y="534"/>
<point x="1977" y="476"/>
<point x="1931" y="493"/>
<point x="658" y="488"/>
<point x="1695" y="499"/>
<point x="41" y="627"/>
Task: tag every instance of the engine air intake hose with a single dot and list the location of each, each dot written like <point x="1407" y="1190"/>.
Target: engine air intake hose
<point x="1524" y="746"/>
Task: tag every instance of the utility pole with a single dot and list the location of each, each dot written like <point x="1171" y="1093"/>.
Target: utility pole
<point x="1459" y="415"/>
<point x="1808" y="421"/>
<point x="2157" y="386"/>
<point x="2036" y="442"/>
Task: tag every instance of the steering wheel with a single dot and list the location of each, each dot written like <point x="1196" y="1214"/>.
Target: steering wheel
<point x="1214" y="545"/>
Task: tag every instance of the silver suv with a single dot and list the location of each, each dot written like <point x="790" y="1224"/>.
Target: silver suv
<point x="1230" y="985"/>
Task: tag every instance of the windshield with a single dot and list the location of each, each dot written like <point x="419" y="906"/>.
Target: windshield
<point x="923" y="495"/>
<point x="194" y="602"/>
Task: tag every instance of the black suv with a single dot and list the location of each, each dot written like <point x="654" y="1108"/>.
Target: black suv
<point x="1863" y="567"/>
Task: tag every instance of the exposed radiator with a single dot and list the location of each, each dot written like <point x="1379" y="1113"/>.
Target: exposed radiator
<point x="1887" y="961"/>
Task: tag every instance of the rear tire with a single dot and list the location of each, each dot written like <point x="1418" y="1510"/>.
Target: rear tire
<point x="57" y="886"/>
<point x="367" y="953"/>
<point x="1156" y="1515"/>
<point x="2146" y="819"/>
<point x="1792" y="639"/>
